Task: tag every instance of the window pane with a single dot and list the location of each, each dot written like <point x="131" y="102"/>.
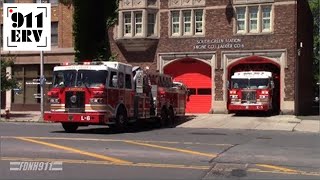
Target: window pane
<point x="127" y="29"/>
<point x="127" y="23"/>
<point x="54" y="33"/>
<point x="199" y="15"/>
<point x="241" y="13"/>
<point x="199" y="28"/>
<point x="187" y="21"/>
<point x="187" y="16"/>
<point x="127" y="18"/>
<point x="241" y="16"/>
<point x="204" y="91"/>
<point x="128" y="81"/>
<point x="175" y="28"/>
<point x="151" y="23"/>
<point x="266" y="11"/>
<point x="198" y="21"/>
<point x="175" y="16"/>
<point x="150" y="29"/>
<point x="253" y="12"/>
<point x="187" y="28"/>
<point x="266" y="24"/>
<point x="266" y="18"/>
<point x="240" y="25"/>
<point x="138" y="28"/>
<point x="175" y="22"/>
<point x="253" y="15"/>
<point x="138" y="17"/>
<point x="1" y="35"/>
<point x="31" y="91"/>
<point x="18" y="94"/>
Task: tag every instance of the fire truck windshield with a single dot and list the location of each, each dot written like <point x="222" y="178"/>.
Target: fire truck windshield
<point x="80" y="78"/>
<point x="249" y="83"/>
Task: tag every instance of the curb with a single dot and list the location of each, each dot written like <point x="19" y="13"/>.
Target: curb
<point x="25" y="121"/>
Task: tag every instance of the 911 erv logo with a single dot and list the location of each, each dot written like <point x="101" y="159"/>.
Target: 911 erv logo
<point x="27" y="26"/>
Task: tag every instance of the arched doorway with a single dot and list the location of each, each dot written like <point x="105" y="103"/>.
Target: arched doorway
<point x="257" y="63"/>
<point x="196" y="75"/>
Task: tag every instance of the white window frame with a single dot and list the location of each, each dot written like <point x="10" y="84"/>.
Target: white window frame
<point x="182" y="23"/>
<point x="260" y="18"/>
<point x="133" y="24"/>
<point x="138" y="23"/>
<point x="263" y="18"/>
<point x="187" y="22"/>
<point x="196" y="22"/>
<point x="125" y="34"/>
<point x="152" y="24"/>
<point x="253" y="19"/>
<point x="175" y="23"/>
<point x="242" y="20"/>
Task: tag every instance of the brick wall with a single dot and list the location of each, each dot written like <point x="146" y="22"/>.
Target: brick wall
<point x="219" y="26"/>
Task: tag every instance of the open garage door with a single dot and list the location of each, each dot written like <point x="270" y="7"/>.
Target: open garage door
<point x="196" y="75"/>
<point x="256" y="63"/>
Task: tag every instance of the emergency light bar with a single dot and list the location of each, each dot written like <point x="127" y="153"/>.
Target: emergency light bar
<point x="82" y="63"/>
<point x="252" y="74"/>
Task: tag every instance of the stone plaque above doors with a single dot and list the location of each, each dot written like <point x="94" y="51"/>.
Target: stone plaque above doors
<point x="186" y="3"/>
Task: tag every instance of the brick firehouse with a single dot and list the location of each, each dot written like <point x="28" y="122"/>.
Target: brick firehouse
<point x="198" y="42"/>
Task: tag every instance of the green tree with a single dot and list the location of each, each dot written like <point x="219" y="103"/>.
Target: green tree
<point x="7" y="83"/>
<point x="315" y="5"/>
<point x="91" y="19"/>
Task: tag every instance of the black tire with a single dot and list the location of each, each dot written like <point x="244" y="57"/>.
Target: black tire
<point x="121" y="121"/>
<point x="70" y="127"/>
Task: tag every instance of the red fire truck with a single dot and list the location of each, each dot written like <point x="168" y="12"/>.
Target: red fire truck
<point x="251" y="91"/>
<point x="110" y="93"/>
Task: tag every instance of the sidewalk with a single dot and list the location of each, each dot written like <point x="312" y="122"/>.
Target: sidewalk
<point x="279" y="122"/>
<point x="220" y="121"/>
<point x="21" y="116"/>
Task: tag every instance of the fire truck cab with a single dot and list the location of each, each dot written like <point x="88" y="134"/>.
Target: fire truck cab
<point x="107" y="93"/>
<point x="251" y="91"/>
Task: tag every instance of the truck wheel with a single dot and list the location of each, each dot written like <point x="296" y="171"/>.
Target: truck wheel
<point x="70" y="127"/>
<point x="121" y="121"/>
<point x="163" y="118"/>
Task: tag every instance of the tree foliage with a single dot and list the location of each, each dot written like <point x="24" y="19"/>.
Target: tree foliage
<point x="7" y="83"/>
<point x="315" y="7"/>
<point x="90" y="22"/>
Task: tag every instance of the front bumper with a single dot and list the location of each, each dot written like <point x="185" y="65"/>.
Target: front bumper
<point x="80" y="118"/>
<point x="248" y="107"/>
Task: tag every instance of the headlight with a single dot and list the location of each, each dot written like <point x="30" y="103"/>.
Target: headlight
<point x="234" y="96"/>
<point x="263" y="98"/>
<point x="96" y="101"/>
<point x="54" y="100"/>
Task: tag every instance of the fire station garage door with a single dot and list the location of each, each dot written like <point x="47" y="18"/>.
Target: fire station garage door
<point x="196" y="75"/>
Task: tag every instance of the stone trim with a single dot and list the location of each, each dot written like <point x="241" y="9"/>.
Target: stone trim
<point x="37" y="53"/>
<point x="186" y="3"/>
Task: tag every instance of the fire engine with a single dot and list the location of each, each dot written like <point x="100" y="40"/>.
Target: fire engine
<point x="113" y="94"/>
<point x="251" y="91"/>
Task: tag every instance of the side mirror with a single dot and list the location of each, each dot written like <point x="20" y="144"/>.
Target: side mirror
<point x="115" y="81"/>
<point x="272" y="84"/>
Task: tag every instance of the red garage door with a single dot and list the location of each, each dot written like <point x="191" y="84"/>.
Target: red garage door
<point x="196" y="75"/>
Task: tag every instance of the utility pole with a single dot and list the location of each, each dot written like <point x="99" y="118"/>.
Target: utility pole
<point x="42" y="84"/>
<point x="1" y="29"/>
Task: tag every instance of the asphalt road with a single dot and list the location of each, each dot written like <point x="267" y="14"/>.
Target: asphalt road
<point x="95" y="152"/>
